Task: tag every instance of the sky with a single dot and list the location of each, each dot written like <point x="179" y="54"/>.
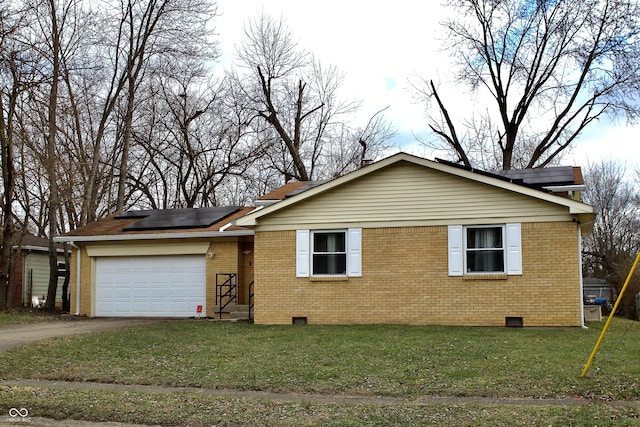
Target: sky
<point x="383" y="46"/>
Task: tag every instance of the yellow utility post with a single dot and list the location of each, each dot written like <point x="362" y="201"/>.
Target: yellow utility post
<point x="613" y="310"/>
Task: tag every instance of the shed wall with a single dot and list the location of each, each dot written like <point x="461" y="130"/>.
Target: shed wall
<point x="35" y="276"/>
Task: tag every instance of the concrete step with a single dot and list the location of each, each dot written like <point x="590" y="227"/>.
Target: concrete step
<point x="231" y="308"/>
<point x="233" y="311"/>
<point x="239" y="315"/>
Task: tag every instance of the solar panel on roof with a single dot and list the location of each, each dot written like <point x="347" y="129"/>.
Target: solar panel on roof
<point x="155" y="212"/>
<point x="164" y="219"/>
<point x="562" y="175"/>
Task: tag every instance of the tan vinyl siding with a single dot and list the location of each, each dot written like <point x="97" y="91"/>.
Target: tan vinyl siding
<point x="413" y="195"/>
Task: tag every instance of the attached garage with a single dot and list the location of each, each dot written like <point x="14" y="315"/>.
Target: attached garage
<point x="150" y="286"/>
<point x="159" y="262"/>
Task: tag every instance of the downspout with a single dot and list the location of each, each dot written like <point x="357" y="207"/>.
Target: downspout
<point x="581" y="281"/>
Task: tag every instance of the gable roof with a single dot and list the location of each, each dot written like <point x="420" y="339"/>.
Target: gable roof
<point x="583" y="211"/>
<point x="162" y="224"/>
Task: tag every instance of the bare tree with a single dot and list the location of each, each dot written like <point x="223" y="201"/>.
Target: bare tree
<point x="153" y="28"/>
<point x="297" y="109"/>
<point x="187" y="144"/>
<point x="548" y="69"/>
<point x="55" y="22"/>
<point x="146" y="35"/>
<point x="614" y="242"/>
<point x="12" y="84"/>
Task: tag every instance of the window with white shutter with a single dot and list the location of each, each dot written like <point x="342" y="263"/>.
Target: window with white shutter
<point x="329" y="252"/>
<point x="485" y="249"/>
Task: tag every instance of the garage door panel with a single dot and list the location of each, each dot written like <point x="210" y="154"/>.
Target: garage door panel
<point x="140" y="293"/>
<point x="157" y="286"/>
<point x="178" y="293"/>
<point x="121" y="293"/>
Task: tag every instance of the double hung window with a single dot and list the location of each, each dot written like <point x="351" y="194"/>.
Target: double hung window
<point x="484" y="251"/>
<point x="329" y="253"/>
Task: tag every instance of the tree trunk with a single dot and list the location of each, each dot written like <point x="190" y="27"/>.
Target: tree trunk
<point x="8" y="182"/>
<point x="54" y="198"/>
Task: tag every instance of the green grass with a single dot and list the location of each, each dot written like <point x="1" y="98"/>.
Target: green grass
<point x="378" y="360"/>
<point x="19" y="316"/>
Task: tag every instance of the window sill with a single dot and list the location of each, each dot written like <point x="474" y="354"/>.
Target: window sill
<point x="481" y="276"/>
<point x="329" y="278"/>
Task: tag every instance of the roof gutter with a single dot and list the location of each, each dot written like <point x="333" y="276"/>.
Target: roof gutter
<point x="36" y="248"/>
<point x="558" y="188"/>
<point x="155" y="236"/>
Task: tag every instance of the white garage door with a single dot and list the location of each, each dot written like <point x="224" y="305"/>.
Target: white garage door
<point x="153" y="286"/>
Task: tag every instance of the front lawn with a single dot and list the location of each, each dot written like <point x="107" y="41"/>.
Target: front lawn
<point x="17" y="316"/>
<point x="378" y="360"/>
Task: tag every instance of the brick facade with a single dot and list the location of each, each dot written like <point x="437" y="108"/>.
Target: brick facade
<point x="405" y="280"/>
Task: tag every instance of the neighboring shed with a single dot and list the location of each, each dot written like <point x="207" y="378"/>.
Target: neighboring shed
<point x="31" y="274"/>
<point x="409" y="240"/>
<point x="598" y="291"/>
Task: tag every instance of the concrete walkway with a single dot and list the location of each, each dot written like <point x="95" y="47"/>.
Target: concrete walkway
<point x="17" y="418"/>
<point x="306" y="397"/>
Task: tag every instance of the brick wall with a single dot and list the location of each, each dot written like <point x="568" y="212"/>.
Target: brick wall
<point x="405" y="280"/>
<point x="224" y="261"/>
<point x="86" y="288"/>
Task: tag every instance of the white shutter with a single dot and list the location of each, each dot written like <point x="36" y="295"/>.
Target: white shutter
<point x="302" y="253"/>
<point x="456" y="251"/>
<point x="514" y="249"/>
<point x="354" y="252"/>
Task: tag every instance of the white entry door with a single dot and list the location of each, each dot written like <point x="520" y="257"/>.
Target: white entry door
<point x="150" y="286"/>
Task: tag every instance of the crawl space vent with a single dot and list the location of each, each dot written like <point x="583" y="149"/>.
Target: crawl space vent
<point x="513" y="322"/>
<point x="299" y="320"/>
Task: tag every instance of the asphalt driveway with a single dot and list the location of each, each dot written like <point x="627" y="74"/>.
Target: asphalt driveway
<point x="16" y="335"/>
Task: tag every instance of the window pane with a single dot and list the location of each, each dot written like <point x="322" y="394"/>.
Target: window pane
<point x="485" y="261"/>
<point x="329" y="264"/>
<point x="329" y="242"/>
<point x="485" y="237"/>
